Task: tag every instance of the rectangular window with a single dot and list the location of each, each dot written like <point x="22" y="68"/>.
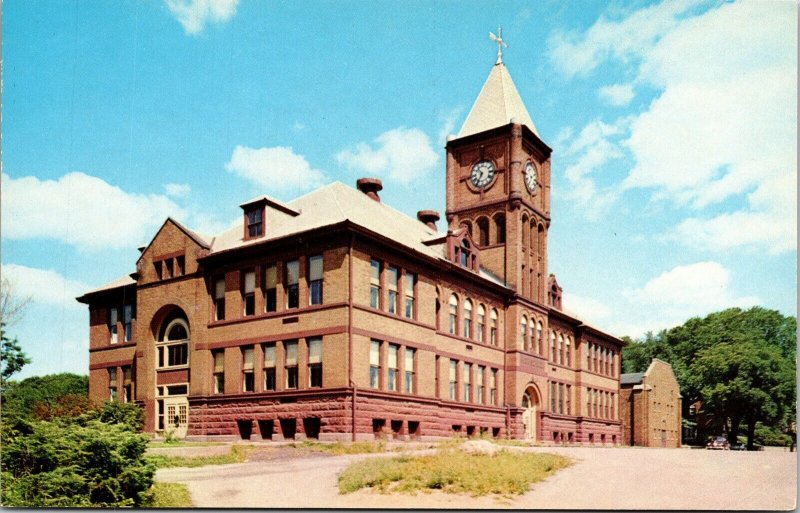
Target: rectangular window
<point x="466" y="379"/>
<point x="493" y="328"/>
<point x="248" y="376"/>
<point x="315" y="280"/>
<point x="409" y="370"/>
<point x="453" y="313"/>
<point x="374" y="284"/>
<point x="249" y="293"/>
<point x="552" y="346"/>
<point x="292" y="284"/>
<point x="374" y="364"/>
<point x="481" y="322"/>
<point x="561" y="398"/>
<point x="127" y="384"/>
<point x="180" y="265"/>
<point x="177" y="354"/>
<point x="493" y="387"/>
<point x="113" y="315"/>
<point x="568" y="400"/>
<point x="271" y="288"/>
<point x="112" y="384"/>
<point x="158" y="268"/>
<point x="409" y="284"/>
<point x="613" y="400"/>
<point x="291" y="363"/>
<point x="479" y="383"/>
<point x="255" y="222"/>
<point x="452" y="379"/>
<point x="315" y="362"/>
<point x="219" y="299"/>
<point x="392" y="367"/>
<point x="553" y="398"/>
<point x="219" y="371"/>
<point x="168" y="273"/>
<point x="269" y="367"/>
<point x="127" y="322"/>
<point x="391" y="285"/>
<point x="588" y="402"/>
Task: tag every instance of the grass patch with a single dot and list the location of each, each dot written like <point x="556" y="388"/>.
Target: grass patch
<point x="170" y="495"/>
<point x="181" y="443"/>
<point x="339" y="448"/>
<point x="238" y="454"/>
<point x="452" y="471"/>
<point x="511" y="443"/>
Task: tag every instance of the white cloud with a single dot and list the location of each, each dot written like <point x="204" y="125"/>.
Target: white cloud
<point x="617" y="94"/>
<point x="177" y="190"/>
<point x="448" y="120"/>
<point x="81" y="210"/>
<point x="44" y="286"/>
<point x="401" y="154"/>
<point x="723" y="124"/>
<point x="586" y="308"/>
<point x="193" y="15"/>
<point x="275" y="169"/>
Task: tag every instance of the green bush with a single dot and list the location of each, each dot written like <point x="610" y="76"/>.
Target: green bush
<point x="768" y="435"/>
<point x="74" y="462"/>
<point x="21" y="399"/>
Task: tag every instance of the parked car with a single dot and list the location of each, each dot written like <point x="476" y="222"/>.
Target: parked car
<point x="719" y="443"/>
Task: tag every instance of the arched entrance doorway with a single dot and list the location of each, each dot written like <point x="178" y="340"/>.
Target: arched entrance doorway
<point x="530" y="414"/>
<point x="172" y="354"/>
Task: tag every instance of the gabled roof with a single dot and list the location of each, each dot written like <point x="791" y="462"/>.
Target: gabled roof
<point x="496" y="104"/>
<point x="632" y="378"/>
<point x="122" y="281"/>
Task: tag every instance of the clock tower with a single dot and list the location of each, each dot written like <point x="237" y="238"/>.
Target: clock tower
<point x="498" y="186"/>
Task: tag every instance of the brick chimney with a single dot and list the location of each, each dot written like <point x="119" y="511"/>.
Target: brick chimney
<point x="370" y="187"/>
<point x="428" y="217"/>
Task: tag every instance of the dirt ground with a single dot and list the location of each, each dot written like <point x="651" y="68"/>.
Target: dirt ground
<point x="600" y="478"/>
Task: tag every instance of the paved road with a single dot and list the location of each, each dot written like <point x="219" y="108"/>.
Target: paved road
<point x="622" y="478"/>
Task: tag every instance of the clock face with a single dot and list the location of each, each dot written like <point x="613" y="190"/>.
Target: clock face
<point x="530" y="177"/>
<point x="482" y="174"/>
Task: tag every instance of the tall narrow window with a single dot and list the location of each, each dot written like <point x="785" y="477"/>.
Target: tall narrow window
<point x="481" y="323"/>
<point x="127" y="384"/>
<point x="539" y="341"/>
<point x="568" y="400"/>
<point x="588" y="402"/>
<point x="392" y="367"/>
<point x="255" y="222"/>
<point x="567" y="351"/>
<point x="291" y="363"/>
<point x="248" y="378"/>
<point x="523" y="330"/>
<point x="532" y="346"/>
<point x="453" y="311"/>
<point x="613" y="400"/>
<point x="561" y="398"/>
<point x="466" y="379"/>
<point x="292" y="284"/>
<point x="553" y="397"/>
<point x="552" y="346"/>
<point x="409" y="284"/>
<point x="315" y="280"/>
<point x="374" y="364"/>
<point x="249" y="293"/>
<point x="409" y="370"/>
<point x="500" y="228"/>
<point x="452" y="379"/>
<point x="315" y="362"/>
<point x="113" y="315"/>
<point x="219" y="299"/>
<point x="391" y="286"/>
<point x="493" y="387"/>
<point x="180" y="265"/>
<point x="112" y="383"/>
<point x="168" y="268"/>
<point x="127" y="322"/>
<point x="269" y="367"/>
<point x="493" y="327"/>
<point x="588" y="356"/>
<point x="374" y="284"/>
<point x="467" y="326"/>
<point x="479" y="384"/>
<point x="271" y="288"/>
<point x="219" y="371"/>
<point x="560" y="348"/>
<point x="483" y="231"/>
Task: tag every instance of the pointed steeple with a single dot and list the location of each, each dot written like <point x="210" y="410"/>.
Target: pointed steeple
<point x="497" y="103"/>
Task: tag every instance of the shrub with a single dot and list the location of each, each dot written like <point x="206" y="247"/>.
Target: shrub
<point x="73" y="463"/>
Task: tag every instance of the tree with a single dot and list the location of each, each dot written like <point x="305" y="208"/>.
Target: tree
<point x="12" y="358"/>
<point x="23" y="398"/>
<point x="12" y="305"/>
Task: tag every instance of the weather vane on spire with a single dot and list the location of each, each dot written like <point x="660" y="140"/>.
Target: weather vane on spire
<point x="500" y="44"/>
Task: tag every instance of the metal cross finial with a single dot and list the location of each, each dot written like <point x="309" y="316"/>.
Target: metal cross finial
<point x="500" y="44"/>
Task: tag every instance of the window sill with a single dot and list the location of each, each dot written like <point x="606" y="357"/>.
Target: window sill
<point x="397" y="317"/>
<point x="468" y="340"/>
<point x="276" y="315"/>
<point x="172" y="368"/>
<point x="118" y="345"/>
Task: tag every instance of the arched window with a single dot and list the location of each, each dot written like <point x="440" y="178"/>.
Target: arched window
<point x="467" y="326"/>
<point x="173" y="348"/>
<point x="438" y="307"/>
<point x="534" y="238"/>
<point x="453" y="313"/>
<point x="500" y="228"/>
<point x="483" y="231"/>
<point x="493" y="327"/>
<point x="523" y="329"/>
<point x="532" y="335"/>
<point x="567" y="349"/>
<point x="552" y="346"/>
<point x="481" y="323"/>
<point x="539" y="348"/>
<point x="524" y="231"/>
<point x="560" y="348"/>
<point x="468" y="226"/>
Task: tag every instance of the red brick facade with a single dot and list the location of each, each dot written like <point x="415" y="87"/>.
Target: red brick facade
<point x="651" y="407"/>
<point x="229" y="342"/>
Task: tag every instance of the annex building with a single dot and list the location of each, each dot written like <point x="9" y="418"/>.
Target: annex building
<point x="334" y="316"/>
<point x="650" y="407"/>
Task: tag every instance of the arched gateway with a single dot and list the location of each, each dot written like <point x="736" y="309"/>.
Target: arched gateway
<point x="530" y="403"/>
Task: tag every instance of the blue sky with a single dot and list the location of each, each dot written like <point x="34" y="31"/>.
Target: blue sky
<point x="673" y="126"/>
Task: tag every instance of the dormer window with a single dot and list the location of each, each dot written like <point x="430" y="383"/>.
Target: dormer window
<point x="465" y="253"/>
<point x="461" y="250"/>
<point x="255" y="222"/>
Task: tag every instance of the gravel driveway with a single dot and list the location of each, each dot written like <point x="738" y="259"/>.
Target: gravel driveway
<point x="620" y="478"/>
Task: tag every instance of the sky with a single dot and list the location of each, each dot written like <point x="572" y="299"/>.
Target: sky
<point x="673" y="127"/>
